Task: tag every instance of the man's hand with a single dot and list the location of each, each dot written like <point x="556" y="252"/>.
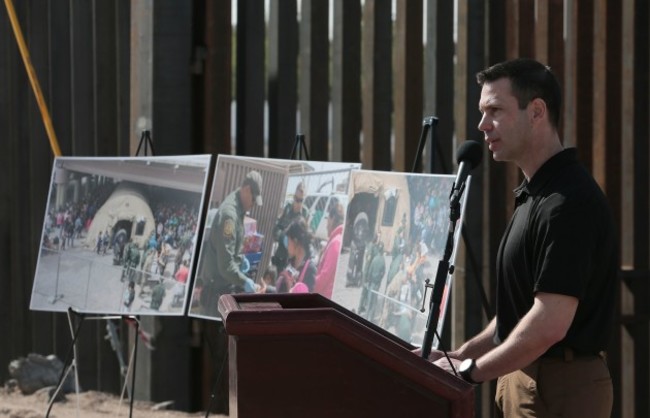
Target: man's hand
<point x="444" y="364"/>
<point x="433" y="356"/>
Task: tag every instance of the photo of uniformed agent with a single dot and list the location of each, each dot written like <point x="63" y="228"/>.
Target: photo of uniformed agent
<point x="224" y="262"/>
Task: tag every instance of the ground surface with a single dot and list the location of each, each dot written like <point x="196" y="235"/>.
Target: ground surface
<point x="90" y="404"/>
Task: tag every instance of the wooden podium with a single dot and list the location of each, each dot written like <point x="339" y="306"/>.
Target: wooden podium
<point x="302" y="355"/>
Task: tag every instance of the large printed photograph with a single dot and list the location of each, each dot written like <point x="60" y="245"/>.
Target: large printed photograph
<point x="395" y="233"/>
<point x="272" y="226"/>
<point x="120" y="234"/>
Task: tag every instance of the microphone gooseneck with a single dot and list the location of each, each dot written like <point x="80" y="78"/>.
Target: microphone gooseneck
<point x="468" y="157"/>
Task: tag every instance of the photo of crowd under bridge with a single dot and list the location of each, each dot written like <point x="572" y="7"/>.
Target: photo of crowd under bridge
<point x="395" y="233"/>
<point x="119" y="234"/>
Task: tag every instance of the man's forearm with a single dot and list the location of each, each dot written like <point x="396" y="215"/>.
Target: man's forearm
<point x="478" y="345"/>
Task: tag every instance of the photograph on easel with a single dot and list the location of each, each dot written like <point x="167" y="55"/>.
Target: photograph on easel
<point x="120" y="234"/>
<point x="395" y="234"/>
<point x="271" y="227"/>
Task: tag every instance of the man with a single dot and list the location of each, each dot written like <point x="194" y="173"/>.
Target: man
<point x="165" y="254"/>
<point x="128" y="297"/>
<point x="556" y="265"/>
<point x="131" y="260"/>
<point x="373" y="278"/>
<point x="98" y="242"/>
<point x="397" y="256"/>
<point x="158" y="294"/>
<point x="222" y="264"/>
<point x="292" y="211"/>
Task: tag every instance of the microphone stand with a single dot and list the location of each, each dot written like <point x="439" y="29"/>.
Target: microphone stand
<point x="427" y="123"/>
<point x="444" y="269"/>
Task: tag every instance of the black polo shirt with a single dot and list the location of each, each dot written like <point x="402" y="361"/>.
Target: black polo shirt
<point x="560" y="240"/>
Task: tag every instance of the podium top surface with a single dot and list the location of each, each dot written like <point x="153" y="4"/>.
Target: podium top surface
<point x="290" y="313"/>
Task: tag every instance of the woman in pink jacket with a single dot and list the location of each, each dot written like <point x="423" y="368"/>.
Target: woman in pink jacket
<point x="327" y="266"/>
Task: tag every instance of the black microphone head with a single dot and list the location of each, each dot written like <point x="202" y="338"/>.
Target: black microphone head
<point x="470" y="152"/>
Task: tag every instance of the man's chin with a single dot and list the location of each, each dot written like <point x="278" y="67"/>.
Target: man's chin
<point x="499" y="156"/>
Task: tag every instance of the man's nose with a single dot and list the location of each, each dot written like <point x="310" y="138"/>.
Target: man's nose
<point x="484" y="124"/>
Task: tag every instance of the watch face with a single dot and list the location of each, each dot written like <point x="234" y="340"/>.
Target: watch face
<point x="465" y="370"/>
<point x="466" y="365"/>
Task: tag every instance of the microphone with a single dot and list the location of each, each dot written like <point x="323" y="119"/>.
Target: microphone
<point x="468" y="157"/>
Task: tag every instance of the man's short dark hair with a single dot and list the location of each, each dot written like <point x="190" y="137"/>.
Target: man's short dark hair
<point x="529" y="80"/>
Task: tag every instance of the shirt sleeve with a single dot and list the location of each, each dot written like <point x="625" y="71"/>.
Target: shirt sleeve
<point x="564" y="240"/>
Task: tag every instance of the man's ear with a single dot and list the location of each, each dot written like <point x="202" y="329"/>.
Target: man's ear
<point x="538" y="110"/>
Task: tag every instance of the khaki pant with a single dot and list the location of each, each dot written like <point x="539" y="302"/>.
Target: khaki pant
<point x="556" y="387"/>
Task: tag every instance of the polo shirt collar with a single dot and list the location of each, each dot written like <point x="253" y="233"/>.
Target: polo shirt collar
<point x="545" y="173"/>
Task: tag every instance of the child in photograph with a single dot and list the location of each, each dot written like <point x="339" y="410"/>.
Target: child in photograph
<point x="299" y="250"/>
<point x="268" y="281"/>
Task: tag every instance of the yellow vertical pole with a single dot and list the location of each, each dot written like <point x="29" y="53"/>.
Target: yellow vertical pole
<point x="24" y="52"/>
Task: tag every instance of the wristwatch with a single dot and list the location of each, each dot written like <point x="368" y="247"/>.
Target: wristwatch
<point x="465" y="370"/>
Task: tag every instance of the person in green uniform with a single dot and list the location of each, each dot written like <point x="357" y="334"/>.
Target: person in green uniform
<point x="131" y="260"/>
<point x="397" y="254"/>
<point x="157" y="295"/>
<point x="373" y="277"/>
<point x="222" y="272"/>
